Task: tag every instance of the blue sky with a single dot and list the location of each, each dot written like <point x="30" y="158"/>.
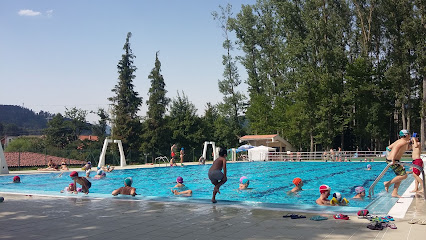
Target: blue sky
<point x="57" y="54"/>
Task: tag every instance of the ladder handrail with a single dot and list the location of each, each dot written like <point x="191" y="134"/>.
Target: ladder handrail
<point x="163" y="158"/>
<point x="371" y="189"/>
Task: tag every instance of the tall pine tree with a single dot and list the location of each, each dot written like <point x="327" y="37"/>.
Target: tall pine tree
<point x="155" y="128"/>
<point x="126" y="102"/>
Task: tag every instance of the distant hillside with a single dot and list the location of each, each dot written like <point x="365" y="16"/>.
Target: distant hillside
<point x="21" y="121"/>
<point x="16" y="121"/>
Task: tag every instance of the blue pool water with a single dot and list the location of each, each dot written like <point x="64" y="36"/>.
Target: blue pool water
<point x="269" y="182"/>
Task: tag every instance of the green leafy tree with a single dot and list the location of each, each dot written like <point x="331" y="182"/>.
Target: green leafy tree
<point x="184" y="123"/>
<point x="100" y="128"/>
<point x="156" y="131"/>
<point x="58" y="133"/>
<point x="77" y="121"/>
<point x="233" y="101"/>
<point x="126" y="102"/>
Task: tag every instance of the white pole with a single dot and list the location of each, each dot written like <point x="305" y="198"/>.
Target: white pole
<point x="122" y="157"/>
<point x="3" y="164"/>
<point x="205" y="150"/>
<point x="102" y="156"/>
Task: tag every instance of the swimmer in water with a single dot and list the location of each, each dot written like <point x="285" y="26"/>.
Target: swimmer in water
<point x="338" y="200"/>
<point x="244" y="183"/>
<point x="99" y="174"/>
<point x="299" y="184"/>
<point x="127" y="189"/>
<point x="85" y="184"/>
<point x="183" y="190"/>
<point x="368" y="167"/>
<point x="360" y="192"/>
<point x="16" y="179"/>
<point x="325" y="192"/>
<point x="71" y="189"/>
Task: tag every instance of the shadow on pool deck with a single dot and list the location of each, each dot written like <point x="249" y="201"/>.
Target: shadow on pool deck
<point x="76" y="218"/>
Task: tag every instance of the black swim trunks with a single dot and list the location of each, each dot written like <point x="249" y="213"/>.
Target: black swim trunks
<point x="398" y="169"/>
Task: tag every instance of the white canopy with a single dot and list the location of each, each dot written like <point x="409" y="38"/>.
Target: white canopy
<point x="259" y="153"/>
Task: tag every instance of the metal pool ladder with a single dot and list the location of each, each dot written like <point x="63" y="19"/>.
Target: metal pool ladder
<point x="163" y="159"/>
<point x="408" y="164"/>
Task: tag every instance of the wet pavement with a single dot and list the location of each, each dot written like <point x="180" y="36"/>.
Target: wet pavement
<point x="36" y="217"/>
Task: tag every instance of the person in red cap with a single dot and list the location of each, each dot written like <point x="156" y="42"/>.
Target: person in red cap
<point x="325" y="192"/>
<point x="299" y="184"/>
<point x="85" y="184"/>
<point x="16" y="179"/>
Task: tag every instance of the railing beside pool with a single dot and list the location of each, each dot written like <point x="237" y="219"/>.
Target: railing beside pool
<point x="344" y="156"/>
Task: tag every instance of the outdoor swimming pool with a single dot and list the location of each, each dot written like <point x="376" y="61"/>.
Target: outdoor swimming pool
<point x="269" y="182"/>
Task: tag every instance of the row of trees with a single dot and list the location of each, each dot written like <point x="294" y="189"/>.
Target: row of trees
<point x="324" y="74"/>
<point x="154" y="134"/>
<point x="346" y="73"/>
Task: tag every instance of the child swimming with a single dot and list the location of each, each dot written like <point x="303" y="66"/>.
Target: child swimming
<point x="338" y="200"/>
<point x="99" y="174"/>
<point x="244" y="183"/>
<point x="71" y="189"/>
<point x="360" y="192"/>
<point x="16" y="179"/>
<point x="85" y="184"/>
<point x="184" y="191"/>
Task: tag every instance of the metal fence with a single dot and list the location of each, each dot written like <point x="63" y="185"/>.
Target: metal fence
<point x="344" y="156"/>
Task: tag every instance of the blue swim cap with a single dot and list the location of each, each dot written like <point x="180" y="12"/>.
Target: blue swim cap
<point x="128" y="181"/>
<point x="368" y="165"/>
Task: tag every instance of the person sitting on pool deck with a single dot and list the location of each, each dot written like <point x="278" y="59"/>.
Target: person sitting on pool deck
<point x="360" y="192"/>
<point x="85" y="184"/>
<point x="64" y="166"/>
<point x="184" y="191"/>
<point x="16" y="179"/>
<point x="325" y="192"/>
<point x="127" y="189"/>
<point x="299" y="184"/>
<point x="215" y="173"/>
<point x="244" y="183"/>
<point x="397" y="148"/>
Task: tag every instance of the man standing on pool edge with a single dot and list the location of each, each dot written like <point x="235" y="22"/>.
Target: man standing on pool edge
<point x="397" y="148"/>
<point x="215" y="173"/>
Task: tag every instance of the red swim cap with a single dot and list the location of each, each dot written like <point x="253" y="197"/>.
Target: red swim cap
<point x="74" y="174"/>
<point x="324" y="188"/>
<point x="297" y="181"/>
<point x="16" y="179"/>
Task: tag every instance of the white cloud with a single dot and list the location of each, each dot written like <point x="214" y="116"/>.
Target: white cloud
<point x="28" y="12"/>
<point x="49" y="13"/>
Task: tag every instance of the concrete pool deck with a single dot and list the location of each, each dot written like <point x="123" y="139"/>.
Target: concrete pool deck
<point x="37" y="217"/>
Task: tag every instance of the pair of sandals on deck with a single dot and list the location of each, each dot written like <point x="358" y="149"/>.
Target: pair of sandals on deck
<point x="295" y="216"/>
<point x="381" y="225"/>
<point x="417" y="221"/>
